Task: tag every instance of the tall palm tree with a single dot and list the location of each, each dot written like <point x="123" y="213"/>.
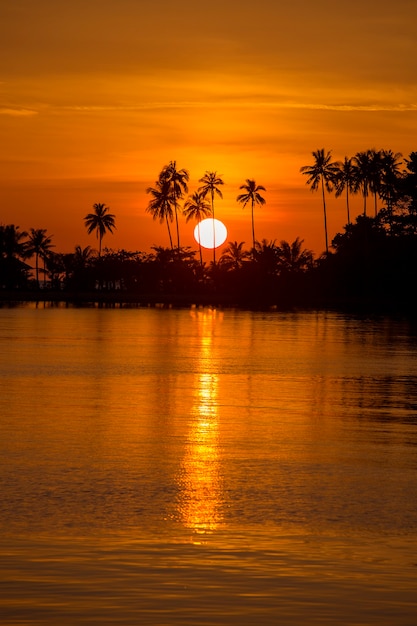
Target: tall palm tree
<point x="177" y="180"/>
<point x="234" y="256"/>
<point x="345" y="180"/>
<point x="362" y="162"/>
<point x="322" y="173"/>
<point x="375" y="176"/>
<point x="101" y="221"/>
<point x="211" y="183"/>
<point x="38" y="244"/>
<point x="160" y="205"/>
<point x="253" y="196"/>
<point x="196" y="207"/>
<point x="390" y="176"/>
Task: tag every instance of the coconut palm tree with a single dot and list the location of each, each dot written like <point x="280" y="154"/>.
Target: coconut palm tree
<point x="345" y="180"/>
<point x="375" y="180"/>
<point x="196" y="207"/>
<point x="38" y="244"/>
<point x="101" y="221"/>
<point x="211" y="183"/>
<point x="362" y="162"/>
<point x="234" y="256"/>
<point x="83" y="256"/>
<point x="321" y="174"/>
<point x="292" y="258"/>
<point x="390" y="176"/>
<point x="11" y="244"/>
<point x="253" y="196"/>
<point x="13" y="271"/>
<point x="160" y="205"/>
<point x="265" y="254"/>
<point x="177" y="180"/>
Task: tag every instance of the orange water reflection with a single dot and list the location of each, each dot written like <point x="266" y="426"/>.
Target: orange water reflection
<point x="201" y="492"/>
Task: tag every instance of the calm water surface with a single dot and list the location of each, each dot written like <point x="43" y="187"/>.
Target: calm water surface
<point x="196" y="467"/>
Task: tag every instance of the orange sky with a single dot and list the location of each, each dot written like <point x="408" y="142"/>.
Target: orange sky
<point x="96" y="96"/>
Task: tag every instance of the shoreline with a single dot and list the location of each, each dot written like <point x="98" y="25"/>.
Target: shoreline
<point x="123" y="299"/>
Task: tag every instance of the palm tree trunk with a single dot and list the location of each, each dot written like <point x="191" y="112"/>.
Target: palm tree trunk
<point x="169" y="232"/>
<point x="178" y="228"/>
<point x="214" y="230"/>
<point x="325" y="214"/>
<point x="44" y="271"/>
<point x="253" y="226"/>
<point x="199" y="244"/>
<point x="37" y="269"/>
<point x="365" y="195"/>
<point x="347" y="205"/>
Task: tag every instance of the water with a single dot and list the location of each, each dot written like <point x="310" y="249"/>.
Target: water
<point x="170" y="467"/>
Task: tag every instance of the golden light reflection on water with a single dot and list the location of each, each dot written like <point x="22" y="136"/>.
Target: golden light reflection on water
<point x="201" y="497"/>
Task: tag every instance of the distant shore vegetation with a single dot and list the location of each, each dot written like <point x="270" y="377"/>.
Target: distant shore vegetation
<point x="371" y="264"/>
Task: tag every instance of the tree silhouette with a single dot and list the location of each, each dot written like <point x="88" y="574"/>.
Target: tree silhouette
<point x="292" y="258"/>
<point x="234" y="256"/>
<point x="375" y="176"/>
<point x="345" y="180"/>
<point x="177" y="181"/>
<point x="38" y="244"/>
<point x="211" y="183"/>
<point x="101" y="221"/>
<point x="13" y="271"/>
<point x="160" y="205"/>
<point x="363" y="168"/>
<point x="322" y="173"/>
<point x="253" y="196"/>
<point x="390" y="177"/>
<point x="196" y="207"/>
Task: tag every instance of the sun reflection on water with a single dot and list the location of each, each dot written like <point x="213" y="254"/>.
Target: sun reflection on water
<point x="201" y="491"/>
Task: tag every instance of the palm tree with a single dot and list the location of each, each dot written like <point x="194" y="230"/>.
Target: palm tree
<point x="83" y="256"/>
<point x="363" y="167"/>
<point x="252" y="194"/>
<point x="101" y="221"/>
<point x="234" y="256"/>
<point x="390" y="175"/>
<point x="211" y="183"/>
<point x="265" y="254"/>
<point x="11" y="244"/>
<point x="322" y="173"/>
<point x="38" y="244"/>
<point x="196" y="207"/>
<point x="13" y="271"/>
<point x="345" y="179"/>
<point x="160" y="206"/>
<point x="292" y="258"/>
<point x="177" y="180"/>
<point x="375" y="179"/>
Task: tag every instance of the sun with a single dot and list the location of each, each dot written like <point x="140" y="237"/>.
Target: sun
<point x="210" y="233"/>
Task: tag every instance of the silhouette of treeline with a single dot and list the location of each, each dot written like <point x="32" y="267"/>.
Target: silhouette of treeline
<point x="373" y="263"/>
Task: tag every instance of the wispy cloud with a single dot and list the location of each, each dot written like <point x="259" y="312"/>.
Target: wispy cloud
<point x="350" y="107"/>
<point x="17" y="112"/>
<point x="232" y="104"/>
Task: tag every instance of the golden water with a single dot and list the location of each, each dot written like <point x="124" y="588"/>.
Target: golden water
<point x="204" y="467"/>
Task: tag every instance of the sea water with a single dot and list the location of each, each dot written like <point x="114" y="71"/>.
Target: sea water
<point x="199" y="466"/>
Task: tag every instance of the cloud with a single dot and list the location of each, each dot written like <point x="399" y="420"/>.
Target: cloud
<point x="225" y="104"/>
<point x="17" y="112"/>
<point x="349" y="107"/>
